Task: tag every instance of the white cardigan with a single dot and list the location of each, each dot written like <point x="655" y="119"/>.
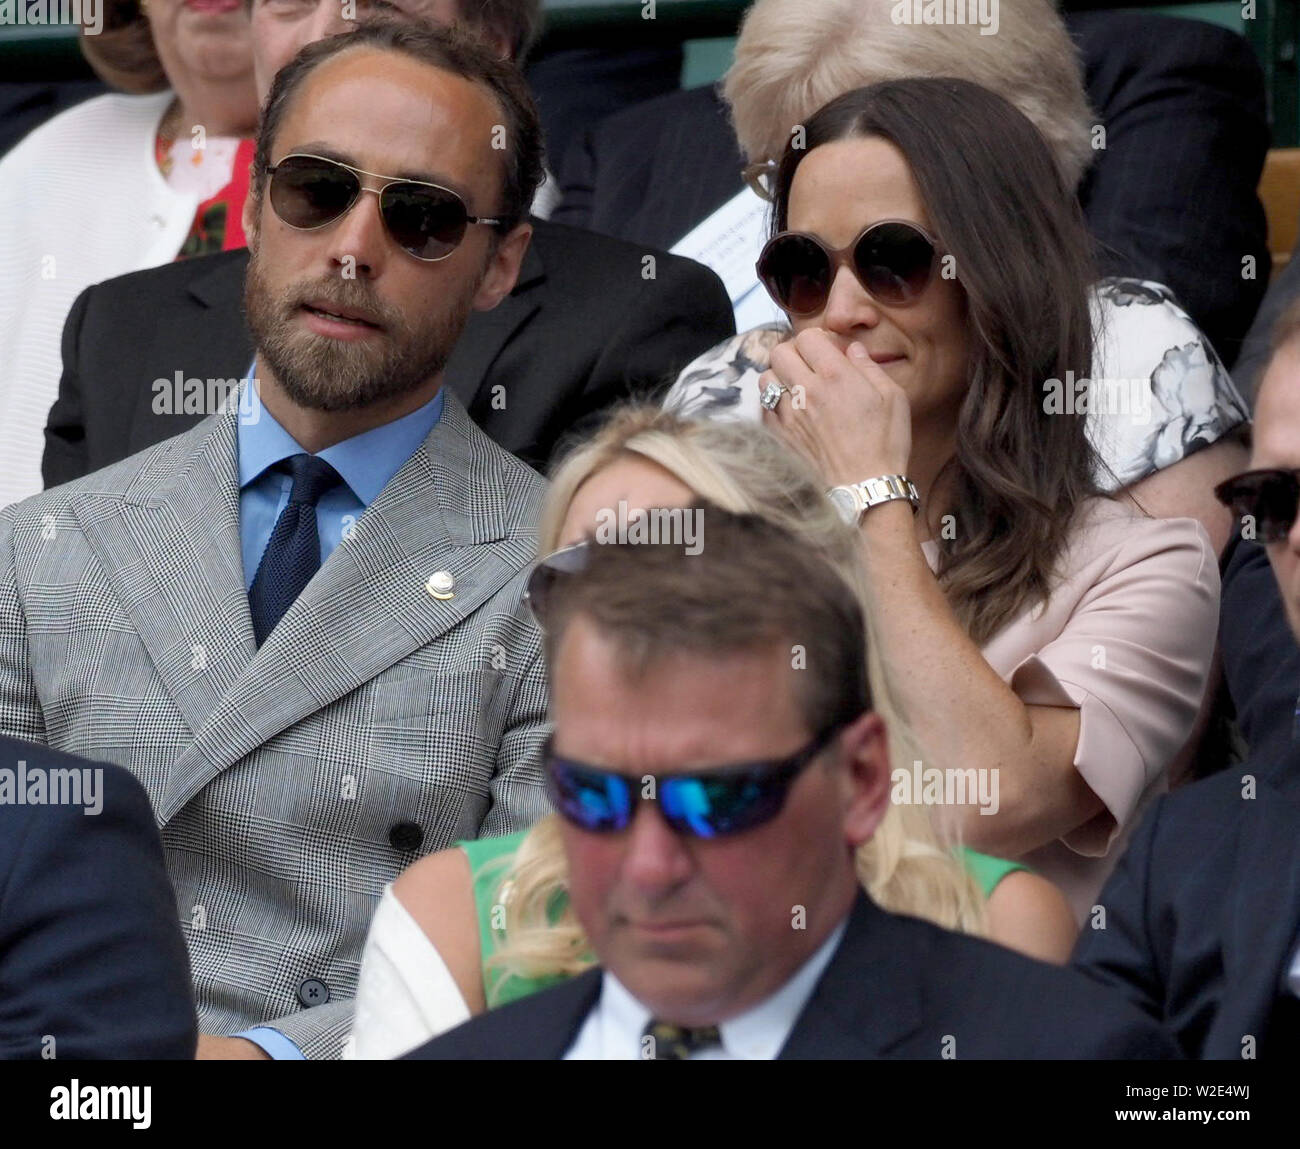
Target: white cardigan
<point x="81" y="200"/>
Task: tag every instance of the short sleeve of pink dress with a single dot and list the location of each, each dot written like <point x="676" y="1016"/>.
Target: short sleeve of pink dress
<point x="1127" y="637"/>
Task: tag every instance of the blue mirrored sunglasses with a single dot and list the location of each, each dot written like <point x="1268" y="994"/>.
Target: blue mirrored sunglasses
<point x="701" y="804"/>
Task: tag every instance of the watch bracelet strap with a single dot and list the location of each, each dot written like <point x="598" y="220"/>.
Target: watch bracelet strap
<point x="894" y="487"/>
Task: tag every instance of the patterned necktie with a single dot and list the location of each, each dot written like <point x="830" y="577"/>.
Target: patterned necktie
<point x="670" y="1042"/>
<point x="292" y="555"/>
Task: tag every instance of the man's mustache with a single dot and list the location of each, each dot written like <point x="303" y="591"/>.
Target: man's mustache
<point x="345" y="294"/>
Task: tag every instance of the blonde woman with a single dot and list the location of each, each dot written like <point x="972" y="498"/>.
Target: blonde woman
<point x="438" y="949"/>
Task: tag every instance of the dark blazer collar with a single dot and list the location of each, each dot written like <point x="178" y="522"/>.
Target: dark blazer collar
<point x="545" y="1034"/>
<point x="221" y="280"/>
<point x="487" y="332"/>
<point x="533" y="268"/>
<point x="869" y="998"/>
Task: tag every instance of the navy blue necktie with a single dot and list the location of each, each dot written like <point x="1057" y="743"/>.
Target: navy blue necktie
<point x="292" y="555"/>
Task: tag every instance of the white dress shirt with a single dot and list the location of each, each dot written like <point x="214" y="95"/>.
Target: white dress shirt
<point x="613" y="1029"/>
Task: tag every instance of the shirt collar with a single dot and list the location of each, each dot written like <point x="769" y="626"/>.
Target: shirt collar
<point x="366" y="462"/>
<point x="755" y="1035"/>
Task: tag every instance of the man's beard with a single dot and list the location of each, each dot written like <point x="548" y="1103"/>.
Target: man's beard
<point x="324" y="374"/>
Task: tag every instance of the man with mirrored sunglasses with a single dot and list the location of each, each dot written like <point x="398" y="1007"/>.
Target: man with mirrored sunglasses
<point x="301" y="624"/>
<point x="716" y="764"/>
<point x="1200" y="923"/>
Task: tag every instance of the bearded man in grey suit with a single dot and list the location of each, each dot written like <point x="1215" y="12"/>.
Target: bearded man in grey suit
<point x="300" y="624"/>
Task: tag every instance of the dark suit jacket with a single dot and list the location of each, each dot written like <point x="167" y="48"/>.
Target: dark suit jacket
<point x="896" y="987"/>
<point x="91" y="953"/>
<point x="1257" y="350"/>
<point x="1172" y="197"/>
<point x="1203" y="911"/>
<point x="1261" y="661"/>
<point x="582" y="329"/>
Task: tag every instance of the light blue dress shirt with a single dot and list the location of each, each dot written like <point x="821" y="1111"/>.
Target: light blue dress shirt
<point x="366" y="463"/>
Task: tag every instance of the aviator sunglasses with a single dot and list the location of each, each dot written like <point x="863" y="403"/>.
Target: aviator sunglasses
<point x="893" y="260"/>
<point x="425" y="220"/>
<point x="1271" y="498"/>
<point x="701" y="804"/>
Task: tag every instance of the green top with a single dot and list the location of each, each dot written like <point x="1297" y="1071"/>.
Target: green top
<point x="489" y="859"/>
<point x="987" y="870"/>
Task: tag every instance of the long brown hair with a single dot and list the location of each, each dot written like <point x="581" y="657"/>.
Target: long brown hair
<point x="995" y="197"/>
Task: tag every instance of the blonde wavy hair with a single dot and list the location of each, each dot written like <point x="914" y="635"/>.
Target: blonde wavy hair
<point x="794" y="56"/>
<point x="907" y="867"/>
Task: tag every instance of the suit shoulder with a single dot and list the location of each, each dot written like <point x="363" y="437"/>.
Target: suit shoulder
<point x="609" y="271"/>
<point x="679" y="109"/>
<point x="1005" y="1001"/>
<point x="559" y="242"/>
<point x="117" y="788"/>
<point x="121" y="479"/>
<point x="1206" y="810"/>
<point x="539" y="1027"/>
<point x="169" y="279"/>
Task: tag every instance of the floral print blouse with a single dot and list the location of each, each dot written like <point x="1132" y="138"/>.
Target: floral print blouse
<point x="1158" y="391"/>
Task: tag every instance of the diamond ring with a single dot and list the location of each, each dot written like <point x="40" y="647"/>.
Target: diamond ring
<point x="772" y="396"/>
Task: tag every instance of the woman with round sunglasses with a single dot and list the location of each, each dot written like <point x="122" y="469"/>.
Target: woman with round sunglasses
<point x="936" y="277"/>
<point x="1170" y="429"/>
<point x="486" y="922"/>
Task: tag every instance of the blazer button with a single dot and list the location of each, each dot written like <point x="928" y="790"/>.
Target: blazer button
<point x="405" y="836"/>
<point x="313" y="992"/>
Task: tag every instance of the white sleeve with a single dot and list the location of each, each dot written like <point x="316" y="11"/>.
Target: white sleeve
<point x="1158" y="389"/>
<point x="405" y="993"/>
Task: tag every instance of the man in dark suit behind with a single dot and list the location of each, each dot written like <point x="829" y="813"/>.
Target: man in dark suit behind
<point x="726" y="911"/>
<point x="1200" y="923"/>
<point x="92" y="962"/>
<point x="591" y="320"/>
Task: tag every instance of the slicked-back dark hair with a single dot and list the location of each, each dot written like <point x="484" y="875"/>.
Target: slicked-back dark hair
<point x="995" y="197"/>
<point x="451" y="50"/>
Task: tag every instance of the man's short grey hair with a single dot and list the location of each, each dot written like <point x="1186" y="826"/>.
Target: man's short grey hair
<point x="794" y="56"/>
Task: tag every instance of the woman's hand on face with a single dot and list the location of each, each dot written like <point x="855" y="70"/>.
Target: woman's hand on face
<point x="843" y="411"/>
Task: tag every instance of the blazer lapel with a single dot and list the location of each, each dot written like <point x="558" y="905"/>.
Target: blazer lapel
<point x="869" y="998"/>
<point x="1264" y="918"/>
<point x="487" y="332"/>
<point x="169" y="546"/>
<point x="368" y="607"/>
<point x="546" y="1032"/>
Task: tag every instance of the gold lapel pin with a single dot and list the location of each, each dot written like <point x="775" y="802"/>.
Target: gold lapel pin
<point x="440" y="584"/>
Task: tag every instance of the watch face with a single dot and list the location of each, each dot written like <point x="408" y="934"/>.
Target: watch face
<point x="845" y="503"/>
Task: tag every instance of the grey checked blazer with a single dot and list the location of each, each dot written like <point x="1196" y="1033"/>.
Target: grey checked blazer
<point x="278" y="774"/>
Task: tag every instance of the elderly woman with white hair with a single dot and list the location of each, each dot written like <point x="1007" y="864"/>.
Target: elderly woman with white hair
<point x="1164" y="411"/>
